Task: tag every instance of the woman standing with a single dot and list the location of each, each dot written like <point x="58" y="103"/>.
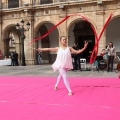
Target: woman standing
<point x="111" y="55"/>
<point x="63" y="62"/>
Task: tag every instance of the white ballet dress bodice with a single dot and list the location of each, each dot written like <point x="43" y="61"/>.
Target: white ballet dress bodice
<point x="63" y="59"/>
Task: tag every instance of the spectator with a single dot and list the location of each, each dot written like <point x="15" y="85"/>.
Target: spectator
<point x="76" y="58"/>
<point x="39" y="57"/>
<point x="111" y="55"/>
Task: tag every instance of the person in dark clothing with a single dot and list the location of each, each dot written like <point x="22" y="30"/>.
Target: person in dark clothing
<point x="16" y="58"/>
<point x="12" y="59"/>
<point x="76" y="58"/>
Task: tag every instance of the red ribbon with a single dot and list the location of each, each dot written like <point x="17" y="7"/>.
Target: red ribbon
<point x="95" y="50"/>
<point x="39" y="38"/>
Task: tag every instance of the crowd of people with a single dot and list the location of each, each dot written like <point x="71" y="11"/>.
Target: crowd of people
<point x="107" y="55"/>
<point x="13" y="56"/>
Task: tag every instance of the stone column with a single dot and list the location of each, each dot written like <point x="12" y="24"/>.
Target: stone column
<point x="0" y="23"/>
<point x="1" y="39"/>
<point x="29" y="52"/>
<point x="100" y="25"/>
<point x="63" y="26"/>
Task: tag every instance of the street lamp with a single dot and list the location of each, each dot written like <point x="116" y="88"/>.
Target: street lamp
<point x="22" y="31"/>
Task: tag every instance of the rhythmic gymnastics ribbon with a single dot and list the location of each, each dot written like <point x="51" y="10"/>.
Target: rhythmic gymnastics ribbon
<point x="39" y="38"/>
<point x="95" y="50"/>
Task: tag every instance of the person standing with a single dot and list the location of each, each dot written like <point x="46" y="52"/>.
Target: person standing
<point x="12" y="59"/>
<point x="16" y="58"/>
<point x="111" y="55"/>
<point x="76" y="58"/>
<point x="63" y="61"/>
<point x="39" y="57"/>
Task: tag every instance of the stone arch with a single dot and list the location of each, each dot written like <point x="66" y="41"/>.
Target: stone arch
<point x="112" y="32"/>
<point x="78" y="18"/>
<point x="7" y="29"/>
<point x="52" y="40"/>
<point x="82" y="36"/>
<point x="39" y="24"/>
<point x="6" y="39"/>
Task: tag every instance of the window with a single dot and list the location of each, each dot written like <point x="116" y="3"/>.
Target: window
<point x="13" y="3"/>
<point x="46" y="1"/>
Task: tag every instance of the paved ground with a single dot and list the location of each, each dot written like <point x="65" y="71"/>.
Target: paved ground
<point x="46" y="70"/>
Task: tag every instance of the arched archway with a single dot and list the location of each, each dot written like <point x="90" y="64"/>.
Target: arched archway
<point x="81" y="31"/>
<point x="52" y="40"/>
<point x="113" y="33"/>
<point x="11" y="41"/>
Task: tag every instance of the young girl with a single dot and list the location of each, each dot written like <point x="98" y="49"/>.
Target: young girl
<point x="63" y="61"/>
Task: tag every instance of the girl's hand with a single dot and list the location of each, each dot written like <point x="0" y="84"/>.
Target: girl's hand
<point x="39" y="49"/>
<point x="85" y="44"/>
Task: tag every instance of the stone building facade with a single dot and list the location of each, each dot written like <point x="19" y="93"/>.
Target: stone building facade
<point x="45" y="14"/>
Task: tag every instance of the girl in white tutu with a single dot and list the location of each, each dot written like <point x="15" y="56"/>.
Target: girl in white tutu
<point x="63" y="62"/>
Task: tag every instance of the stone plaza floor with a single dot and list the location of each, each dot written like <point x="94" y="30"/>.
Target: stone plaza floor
<point x="46" y="70"/>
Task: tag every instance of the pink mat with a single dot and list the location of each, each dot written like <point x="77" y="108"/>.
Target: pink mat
<point x="34" y="98"/>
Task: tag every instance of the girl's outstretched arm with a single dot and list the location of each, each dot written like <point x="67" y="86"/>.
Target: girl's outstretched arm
<point x="48" y="49"/>
<point x="73" y="51"/>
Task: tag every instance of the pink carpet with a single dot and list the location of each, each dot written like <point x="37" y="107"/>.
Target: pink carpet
<point x="33" y="98"/>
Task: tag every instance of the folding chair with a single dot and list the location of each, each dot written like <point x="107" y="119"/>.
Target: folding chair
<point x="83" y="62"/>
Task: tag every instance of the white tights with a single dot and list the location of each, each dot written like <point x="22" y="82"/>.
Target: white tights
<point x="63" y="74"/>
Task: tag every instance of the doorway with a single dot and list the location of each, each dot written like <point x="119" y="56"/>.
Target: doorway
<point x="89" y="38"/>
<point x="83" y="32"/>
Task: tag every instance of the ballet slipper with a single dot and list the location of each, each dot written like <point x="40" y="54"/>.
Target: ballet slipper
<point x="55" y="88"/>
<point x="70" y="93"/>
<point x="118" y="75"/>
